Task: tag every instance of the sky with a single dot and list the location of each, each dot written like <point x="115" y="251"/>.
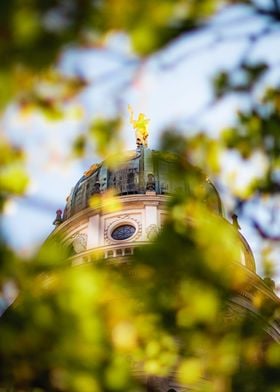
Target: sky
<point x="172" y="88"/>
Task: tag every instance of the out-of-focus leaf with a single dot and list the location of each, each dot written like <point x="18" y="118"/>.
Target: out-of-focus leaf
<point x="190" y="371"/>
<point x="13" y="179"/>
<point x="79" y="146"/>
<point x="106" y="139"/>
<point x="107" y="201"/>
<point x="13" y="176"/>
<point x="221" y="84"/>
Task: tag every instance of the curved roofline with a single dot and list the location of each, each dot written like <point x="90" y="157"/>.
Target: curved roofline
<point x="141" y="170"/>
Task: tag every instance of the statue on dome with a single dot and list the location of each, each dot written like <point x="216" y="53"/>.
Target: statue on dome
<point x="92" y="169"/>
<point x="141" y="127"/>
<point x="58" y="218"/>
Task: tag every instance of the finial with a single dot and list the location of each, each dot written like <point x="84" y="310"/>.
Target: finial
<point x="141" y="128"/>
<point x="58" y="218"/>
<point x="235" y="221"/>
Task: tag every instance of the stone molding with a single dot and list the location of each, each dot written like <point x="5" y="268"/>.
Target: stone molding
<point x="122" y="220"/>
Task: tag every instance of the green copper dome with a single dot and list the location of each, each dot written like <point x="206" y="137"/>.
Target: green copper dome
<point x="144" y="171"/>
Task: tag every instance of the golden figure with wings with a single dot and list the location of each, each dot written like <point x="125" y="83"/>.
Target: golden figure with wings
<point x="141" y="127"/>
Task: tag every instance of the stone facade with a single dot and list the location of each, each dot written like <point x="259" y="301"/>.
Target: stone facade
<point x="93" y="232"/>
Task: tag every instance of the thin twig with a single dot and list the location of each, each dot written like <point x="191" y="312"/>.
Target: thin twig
<point x="264" y="234"/>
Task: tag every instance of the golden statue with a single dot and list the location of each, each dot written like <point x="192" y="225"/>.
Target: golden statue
<point x="141" y="128"/>
<point x="92" y="169"/>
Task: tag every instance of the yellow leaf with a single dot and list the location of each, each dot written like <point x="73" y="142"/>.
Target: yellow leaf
<point x="190" y="371"/>
<point x="107" y="201"/>
<point x="13" y="179"/>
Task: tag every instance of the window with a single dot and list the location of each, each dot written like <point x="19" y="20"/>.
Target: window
<point x="123" y="232"/>
<point x="110" y="253"/>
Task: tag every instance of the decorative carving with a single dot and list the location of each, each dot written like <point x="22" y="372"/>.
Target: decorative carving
<point x="123" y="216"/>
<point x="233" y="313"/>
<point x="80" y="242"/>
<point x="151" y="185"/>
<point x="122" y="220"/>
<point x="152" y="231"/>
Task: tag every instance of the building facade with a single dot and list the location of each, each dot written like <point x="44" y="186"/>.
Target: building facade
<point x="142" y="185"/>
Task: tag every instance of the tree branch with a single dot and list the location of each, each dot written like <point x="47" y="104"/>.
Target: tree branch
<point x="276" y="6"/>
<point x="264" y="234"/>
<point x="274" y="14"/>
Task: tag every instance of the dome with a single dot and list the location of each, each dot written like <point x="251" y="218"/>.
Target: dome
<point x="143" y="170"/>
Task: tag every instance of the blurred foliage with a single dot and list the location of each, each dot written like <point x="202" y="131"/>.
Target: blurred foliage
<point x="257" y="130"/>
<point x="104" y="139"/>
<point x="173" y="309"/>
<point x="13" y="176"/>
<point x="106" y="201"/>
<point x="243" y="80"/>
<point x="170" y="309"/>
<point x="34" y="32"/>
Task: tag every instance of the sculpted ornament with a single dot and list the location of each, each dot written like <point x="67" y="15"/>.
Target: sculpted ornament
<point x="80" y="242"/>
<point x="152" y="231"/>
<point x="141" y="128"/>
